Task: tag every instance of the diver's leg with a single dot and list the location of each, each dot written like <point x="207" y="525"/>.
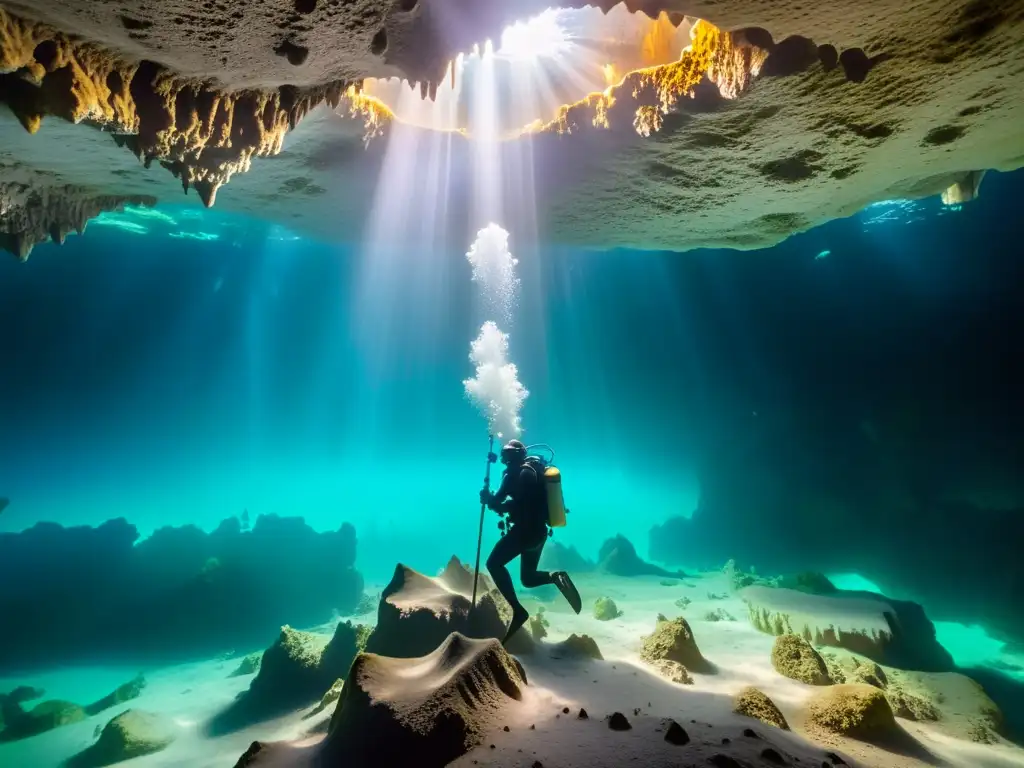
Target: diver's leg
<point x="505" y="551"/>
<point x="528" y="573"/>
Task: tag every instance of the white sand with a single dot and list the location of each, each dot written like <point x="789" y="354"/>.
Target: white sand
<point x="189" y="694"/>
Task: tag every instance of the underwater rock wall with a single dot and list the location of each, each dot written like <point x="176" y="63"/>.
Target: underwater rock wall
<point x="94" y="594"/>
<point x="905" y="506"/>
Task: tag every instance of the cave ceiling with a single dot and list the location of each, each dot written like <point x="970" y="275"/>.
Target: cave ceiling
<point x="778" y="116"/>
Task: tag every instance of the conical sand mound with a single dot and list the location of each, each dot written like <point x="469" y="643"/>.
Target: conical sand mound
<point x="416" y="614"/>
<point x="436" y="707"/>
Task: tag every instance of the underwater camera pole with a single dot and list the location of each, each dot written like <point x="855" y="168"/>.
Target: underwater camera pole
<point x="491" y="458"/>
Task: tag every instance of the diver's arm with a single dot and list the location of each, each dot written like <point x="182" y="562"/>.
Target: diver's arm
<point x="494" y="500"/>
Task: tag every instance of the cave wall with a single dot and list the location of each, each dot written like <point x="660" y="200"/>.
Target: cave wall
<point x="898" y="499"/>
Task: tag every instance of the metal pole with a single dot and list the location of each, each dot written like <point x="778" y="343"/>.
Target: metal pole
<point x="483" y="507"/>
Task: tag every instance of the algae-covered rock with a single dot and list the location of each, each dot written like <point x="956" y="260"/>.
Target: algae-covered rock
<point x="910" y="706"/>
<point x="869" y="673"/>
<point x="673" y="671"/>
<point x="363" y="632"/>
<point x="130" y="690"/>
<point x="793" y="657"/>
<point x="720" y="615"/>
<point x="674" y="640"/>
<point x="605" y="609"/>
<point x="738" y="578"/>
<point x="855" y="710"/>
<point x="133" y="733"/>
<point x="19" y="724"/>
<point x="249" y="665"/>
<point x="290" y="667"/>
<point x="538" y="625"/>
<point x="332" y="695"/>
<point x="577" y="646"/>
<point x="752" y="702"/>
<point x="294" y="671"/>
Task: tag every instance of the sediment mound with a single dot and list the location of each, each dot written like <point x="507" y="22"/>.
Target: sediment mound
<point x="427" y="710"/>
<point x="458" y="577"/>
<point x="674" y="641"/>
<point x="793" y="657"/>
<point x="416" y="614"/>
<point x="133" y="733"/>
<point x="891" y="632"/>
<point x="618" y="557"/>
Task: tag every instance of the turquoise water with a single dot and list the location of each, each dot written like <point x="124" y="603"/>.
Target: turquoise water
<point x="178" y="367"/>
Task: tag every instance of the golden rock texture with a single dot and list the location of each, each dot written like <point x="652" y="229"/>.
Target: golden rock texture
<point x="754" y="134"/>
<point x="198" y="131"/>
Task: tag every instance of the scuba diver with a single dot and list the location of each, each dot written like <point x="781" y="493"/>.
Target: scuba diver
<point x="523" y="496"/>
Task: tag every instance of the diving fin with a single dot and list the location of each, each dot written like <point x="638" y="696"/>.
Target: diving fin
<point x="568" y="590"/>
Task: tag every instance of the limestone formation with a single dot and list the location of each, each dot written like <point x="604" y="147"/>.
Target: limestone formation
<point x="29" y="216"/>
<point x="559" y="557"/>
<point x="752" y="702"/>
<point x="674" y="641"/>
<point x="858" y="711"/>
<point x="131" y="734"/>
<point x="752" y="135"/>
<point x="417" y="613"/>
<point x="618" y="557"/>
<point x="196" y="129"/>
<point x="892" y="632"/>
<point x="794" y="657"/>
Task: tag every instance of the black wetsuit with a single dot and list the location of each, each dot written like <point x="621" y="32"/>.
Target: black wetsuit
<point x="527" y="510"/>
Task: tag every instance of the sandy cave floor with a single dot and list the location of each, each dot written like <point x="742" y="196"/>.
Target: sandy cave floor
<point x="191" y="693"/>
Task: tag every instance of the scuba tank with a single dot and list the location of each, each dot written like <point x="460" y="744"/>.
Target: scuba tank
<point x="552" y="479"/>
